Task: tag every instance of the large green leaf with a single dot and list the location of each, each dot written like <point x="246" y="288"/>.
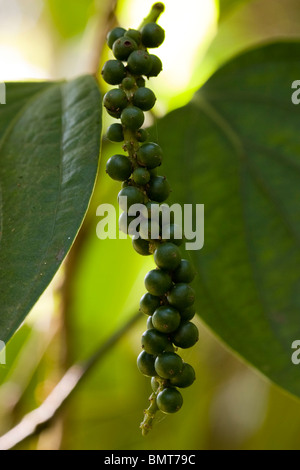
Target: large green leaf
<point x="236" y="149"/>
<point x="49" y="150"/>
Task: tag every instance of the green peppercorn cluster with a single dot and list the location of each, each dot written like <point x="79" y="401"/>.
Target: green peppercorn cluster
<point x="169" y="301"/>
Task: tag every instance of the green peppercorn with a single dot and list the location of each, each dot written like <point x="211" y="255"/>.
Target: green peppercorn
<point x="115" y="114"/>
<point x="144" y="98"/>
<point x="186" y="335"/>
<point x="133" y="196"/>
<point x="115" y="100"/>
<point x="141" y="176"/>
<point x="113" y="35"/>
<point x="181" y="296"/>
<point x="135" y="35"/>
<point x="156" y="66"/>
<point x="185" y="378"/>
<point x="149" y="155"/>
<point x="145" y="363"/>
<point x="113" y="72"/>
<point x="141" y="135"/>
<point x="123" y="47"/>
<point x="132" y="117"/>
<point x="168" y="365"/>
<point x="159" y="189"/>
<point x="115" y="133"/>
<point x="167" y="256"/>
<point x="154" y="384"/>
<point x="166" y="319"/>
<point x="141" y="246"/>
<point x="139" y="63"/>
<point x="140" y="82"/>
<point x="154" y="342"/>
<point x="169" y="400"/>
<point x="184" y="273"/>
<point x="153" y="35"/>
<point x="149" y="303"/>
<point x="149" y="324"/>
<point x="158" y="282"/>
<point x="118" y="167"/>
<point x="128" y="83"/>
<point x="188" y="313"/>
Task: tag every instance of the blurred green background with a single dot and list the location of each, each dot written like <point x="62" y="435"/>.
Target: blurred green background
<point x="230" y="406"/>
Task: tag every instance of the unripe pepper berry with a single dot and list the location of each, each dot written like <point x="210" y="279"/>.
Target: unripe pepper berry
<point x="135" y="35"/>
<point x="123" y="47"/>
<point x="149" y="155"/>
<point x="118" y="167"/>
<point x="184" y="273"/>
<point x="139" y="63"/>
<point x="144" y="98"/>
<point x="113" y="35"/>
<point x="159" y="189"/>
<point x="140" y="81"/>
<point x="153" y="35"/>
<point x="188" y="313"/>
<point x="115" y="133"/>
<point x="167" y="256"/>
<point x="141" y="176"/>
<point x="156" y="67"/>
<point x="142" y="135"/>
<point x="132" y="117"/>
<point x="141" y="246"/>
<point x="166" y="319"/>
<point x="149" y="303"/>
<point x="115" y="100"/>
<point x="158" y="282"/>
<point x="181" y="296"/>
<point x="169" y="400"/>
<point x="154" y="342"/>
<point x="133" y="196"/>
<point x="168" y="365"/>
<point x="186" y="377"/>
<point x="128" y="83"/>
<point x="113" y="72"/>
<point x="186" y="335"/>
<point x="145" y="363"/>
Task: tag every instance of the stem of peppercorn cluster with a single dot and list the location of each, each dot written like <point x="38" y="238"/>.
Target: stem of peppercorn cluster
<point x="149" y="413"/>
<point x="131" y="145"/>
<point x="156" y="10"/>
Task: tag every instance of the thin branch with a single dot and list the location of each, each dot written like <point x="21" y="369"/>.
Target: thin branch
<point x="156" y="10"/>
<point x="40" y="418"/>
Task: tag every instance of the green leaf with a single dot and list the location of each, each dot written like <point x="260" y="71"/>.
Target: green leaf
<point x="236" y="148"/>
<point x="49" y="150"/>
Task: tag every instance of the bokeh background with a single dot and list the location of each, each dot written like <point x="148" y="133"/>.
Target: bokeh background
<point x="97" y="290"/>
